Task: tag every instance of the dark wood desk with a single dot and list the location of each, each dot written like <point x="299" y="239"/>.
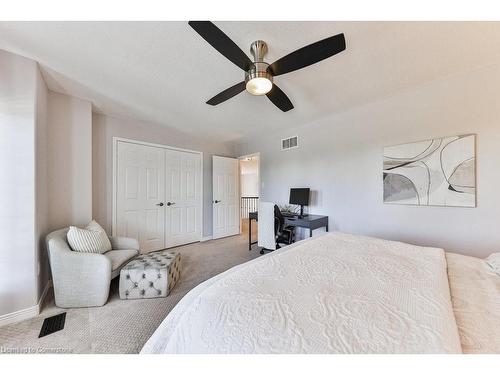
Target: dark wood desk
<point x="310" y="221"/>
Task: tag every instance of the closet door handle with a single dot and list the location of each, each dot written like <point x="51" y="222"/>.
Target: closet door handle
<point x="170" y="203"/>
<point x="216" y="201"/>
<point x="159" y="204"/>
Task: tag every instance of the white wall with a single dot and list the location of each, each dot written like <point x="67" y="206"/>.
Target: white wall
<point x="45" y="179"/>
<point x="18" y="283"/>
<point x="41" y="182"/>
<point x="69" y="160"/>
<point x="340" y="159"/>
<point x="106" y="127"/>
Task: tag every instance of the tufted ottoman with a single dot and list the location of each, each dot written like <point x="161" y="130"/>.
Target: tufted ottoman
<point x="150" y="275"/>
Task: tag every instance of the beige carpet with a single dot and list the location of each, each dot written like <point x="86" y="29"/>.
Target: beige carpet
<point x="124" y="326"/>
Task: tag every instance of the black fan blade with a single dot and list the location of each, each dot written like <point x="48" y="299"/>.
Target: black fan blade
<point x="222" y="43"/>
<point x="308" y="55"/>
<point x="227" y="93"/>
<point x="279" y="99"/>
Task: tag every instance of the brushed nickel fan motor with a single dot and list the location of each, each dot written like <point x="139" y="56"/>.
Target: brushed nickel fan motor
<point x="258" y="80"/>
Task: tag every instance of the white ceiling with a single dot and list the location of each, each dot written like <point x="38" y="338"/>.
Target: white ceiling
<point x="164" y="72"/>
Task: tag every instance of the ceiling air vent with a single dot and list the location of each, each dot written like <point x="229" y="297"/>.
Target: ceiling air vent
<point x="289" y="143"/>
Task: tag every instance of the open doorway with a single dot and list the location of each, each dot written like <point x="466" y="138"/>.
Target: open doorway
<point x="249" y="191"/>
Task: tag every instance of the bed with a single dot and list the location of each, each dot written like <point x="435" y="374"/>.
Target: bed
<point x="340" y="293"/>
<point x="475" y="295"/>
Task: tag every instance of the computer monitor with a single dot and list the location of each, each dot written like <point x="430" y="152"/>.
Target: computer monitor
<point x="300" y="196"/>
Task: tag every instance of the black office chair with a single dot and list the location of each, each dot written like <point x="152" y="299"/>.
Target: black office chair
<point x="284" y="235"/>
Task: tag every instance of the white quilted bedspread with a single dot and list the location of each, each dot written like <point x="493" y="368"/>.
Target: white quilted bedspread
<point x="337" y="293"/>
<point x="475" y="294"/>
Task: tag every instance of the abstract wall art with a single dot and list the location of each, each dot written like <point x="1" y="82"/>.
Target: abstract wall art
<point x="437" y="172"/>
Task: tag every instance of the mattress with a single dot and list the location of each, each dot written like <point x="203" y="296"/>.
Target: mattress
<point x="337" y="293"/>
<point x="475" y="295"/>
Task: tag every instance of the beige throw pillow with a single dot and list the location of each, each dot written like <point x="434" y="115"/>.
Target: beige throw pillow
<point x="92" y="239"/>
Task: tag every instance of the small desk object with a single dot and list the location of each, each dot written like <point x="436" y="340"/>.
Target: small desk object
<point x="310" y="221"/>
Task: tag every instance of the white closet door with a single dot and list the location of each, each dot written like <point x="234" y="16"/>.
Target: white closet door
<point x="140" y="193"/>
<point x="183" y="200"/>
<point x="225" y="197"/>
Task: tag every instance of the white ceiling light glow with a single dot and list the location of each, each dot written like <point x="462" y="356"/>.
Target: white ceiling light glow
<point x="259" y="86"/>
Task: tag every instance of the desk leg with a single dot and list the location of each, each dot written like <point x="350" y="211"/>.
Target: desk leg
<point x="310" y="232"/>
<point x="249" y="234"/>
<point x="327" y="227"/>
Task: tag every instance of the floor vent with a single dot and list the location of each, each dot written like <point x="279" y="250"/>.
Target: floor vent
<point x="289" y="143"/>
<point x="53" y="324"/>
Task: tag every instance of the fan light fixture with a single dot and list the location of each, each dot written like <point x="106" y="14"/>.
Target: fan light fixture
<point x="259" y="86"/>
<point x="258" y="81"/>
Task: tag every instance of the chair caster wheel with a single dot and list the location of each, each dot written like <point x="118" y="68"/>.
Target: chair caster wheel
<point x="262" y="252"/>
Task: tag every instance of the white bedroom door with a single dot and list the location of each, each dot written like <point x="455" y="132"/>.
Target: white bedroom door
<point x="183" y="199"/>
<point x="225" y="197"/>
<point x="140" y="192"/>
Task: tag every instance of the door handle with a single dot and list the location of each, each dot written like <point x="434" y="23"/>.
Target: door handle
<point x="216" y="201"/>
<point x="170" y="203"/>
<point x="159" y="204"/>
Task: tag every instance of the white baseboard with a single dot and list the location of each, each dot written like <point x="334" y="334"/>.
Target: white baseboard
<point x="27" y="313"/>
<point x="207" y="238"/>
<point x="44" y="294"/>
<point x="17" y="316"/>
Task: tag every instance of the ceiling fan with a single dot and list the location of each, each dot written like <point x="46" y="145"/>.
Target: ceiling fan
<point x="259" y="74"/>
